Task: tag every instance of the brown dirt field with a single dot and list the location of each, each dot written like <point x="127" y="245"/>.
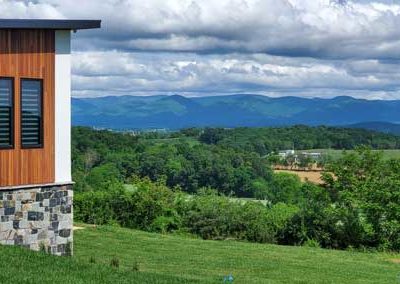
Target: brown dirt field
<point x="395" y="260"/>
<point x="311" y="176"/>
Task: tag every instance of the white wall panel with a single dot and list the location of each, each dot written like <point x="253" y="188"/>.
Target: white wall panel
<point x="63" y="107"/>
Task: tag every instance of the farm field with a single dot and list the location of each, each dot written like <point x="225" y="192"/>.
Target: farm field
<point x="335" y="154"/>
<point x="311" y="176"/>
<point x="314" y="176"/>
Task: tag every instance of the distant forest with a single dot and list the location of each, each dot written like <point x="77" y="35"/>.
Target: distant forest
<point x="231" y="161"/>
<point x="219" y="184"/>
<point x="266" y="140"/>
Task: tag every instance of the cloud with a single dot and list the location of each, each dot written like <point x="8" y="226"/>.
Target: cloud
<point x="116" y="73"/>
<point x="317" y="28"/>
<point x="28" y="9"/>
<point x="204" y="47"/>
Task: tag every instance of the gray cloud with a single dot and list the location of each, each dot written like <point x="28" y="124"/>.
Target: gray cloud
<point x="317" y="28"/>
<point x="193" y="74"/>
<point x="196" y="47"/>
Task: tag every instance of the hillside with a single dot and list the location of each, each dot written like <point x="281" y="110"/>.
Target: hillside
<point x="173" y="259"/>
<point x="384" y="127"/>
<point x="174" y="112"/>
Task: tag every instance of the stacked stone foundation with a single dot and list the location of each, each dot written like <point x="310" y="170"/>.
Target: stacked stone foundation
<point x="38" y="218"/>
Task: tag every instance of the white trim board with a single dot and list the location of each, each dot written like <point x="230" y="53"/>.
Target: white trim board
<point x="62" y="106"/>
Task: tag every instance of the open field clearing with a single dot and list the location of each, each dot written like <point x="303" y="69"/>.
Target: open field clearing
<point x="314" y="176"/>
<point x="311" y="176"/>
<point x="335" y="154"/>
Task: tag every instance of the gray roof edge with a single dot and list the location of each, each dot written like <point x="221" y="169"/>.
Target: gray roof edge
<point x="49" y="24"/>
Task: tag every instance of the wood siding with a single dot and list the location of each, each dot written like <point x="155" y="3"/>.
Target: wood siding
<point x="29" y="54"/>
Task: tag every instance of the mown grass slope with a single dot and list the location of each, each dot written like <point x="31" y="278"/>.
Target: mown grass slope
<point x="176" y="259"/>
<point x="209" y="261"/>
<point x="19" y="265"/>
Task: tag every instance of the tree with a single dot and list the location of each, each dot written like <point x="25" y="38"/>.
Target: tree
<point x="212" y="135"/>
<point x="370" y="185"/>
<point x="285" y="188"/>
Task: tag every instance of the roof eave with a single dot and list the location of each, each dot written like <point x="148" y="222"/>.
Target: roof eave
<point x="49" y="24"/>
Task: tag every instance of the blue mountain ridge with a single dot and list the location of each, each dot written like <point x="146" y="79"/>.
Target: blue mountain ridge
<point x="175" y="112"/>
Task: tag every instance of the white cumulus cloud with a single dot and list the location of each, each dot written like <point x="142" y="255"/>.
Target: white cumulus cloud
<point x="197" y="47"/>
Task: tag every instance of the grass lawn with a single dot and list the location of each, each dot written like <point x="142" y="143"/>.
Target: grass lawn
<point x="209" y="261"/>
<point x="176" y="259"/>
<point x="335" y="154"/>
<point x="19" y="265"/>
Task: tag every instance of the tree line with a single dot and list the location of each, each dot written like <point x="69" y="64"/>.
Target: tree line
<point x="232" y="161"/>
<point x="176" y="182"/>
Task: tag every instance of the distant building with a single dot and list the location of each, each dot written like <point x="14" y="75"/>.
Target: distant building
<point x="312" y="155"/>
<point x="284" y="154"/>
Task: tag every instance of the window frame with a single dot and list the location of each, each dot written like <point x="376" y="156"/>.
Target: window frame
<point x="41" y="122"/>
<point x="12" y="114"/>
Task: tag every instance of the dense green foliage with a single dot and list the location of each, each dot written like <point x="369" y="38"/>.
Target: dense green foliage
<point x="266" y="140"/>
<point x="369" y="186"/>
<point x="144" y="182"/>
<point x="100" y="157"/>
<point x="231" y="161"/>
<point x="154" y="207"/>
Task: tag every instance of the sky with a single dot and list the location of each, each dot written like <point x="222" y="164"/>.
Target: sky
<point x="306" y="48"/>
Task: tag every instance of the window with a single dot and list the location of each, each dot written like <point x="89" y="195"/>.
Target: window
<point x="31" y="113"/>
<point x="6" y="113"/>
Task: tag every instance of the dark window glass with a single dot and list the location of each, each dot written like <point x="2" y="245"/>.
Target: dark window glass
<point x="6" y="113"/>
<point x="31" y="113"/>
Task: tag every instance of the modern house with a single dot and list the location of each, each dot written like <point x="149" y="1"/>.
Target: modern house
<point x="35" y="133"/>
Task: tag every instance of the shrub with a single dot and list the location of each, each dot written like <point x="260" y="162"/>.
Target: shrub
<point x="150" y="207"/>
<point x="311" y="243"/>
<point x="136" y="266"/>
<point x="216" y="217"/>
<point x="114" y="262"/>
<point x="94" y="207"/>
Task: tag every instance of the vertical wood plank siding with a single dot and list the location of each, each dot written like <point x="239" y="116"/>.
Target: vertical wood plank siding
<point x="29" y="54"/>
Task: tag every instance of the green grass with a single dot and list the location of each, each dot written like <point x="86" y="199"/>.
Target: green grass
<point x="159" y="141"/>
<point x="178" y="259"/>
<point x="19" y="265"/>
<point x="209" y="261"/>
<point x="335" y="154"/>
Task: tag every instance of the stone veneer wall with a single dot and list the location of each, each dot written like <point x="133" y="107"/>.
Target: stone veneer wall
<point x="38" y="218"/>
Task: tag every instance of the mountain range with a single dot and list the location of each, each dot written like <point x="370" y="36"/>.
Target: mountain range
<point x="384" y="127"/>
<point x="175" y="112"/>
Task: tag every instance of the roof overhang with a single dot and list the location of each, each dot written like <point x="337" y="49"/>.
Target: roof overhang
<point x="49" y="24"/>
